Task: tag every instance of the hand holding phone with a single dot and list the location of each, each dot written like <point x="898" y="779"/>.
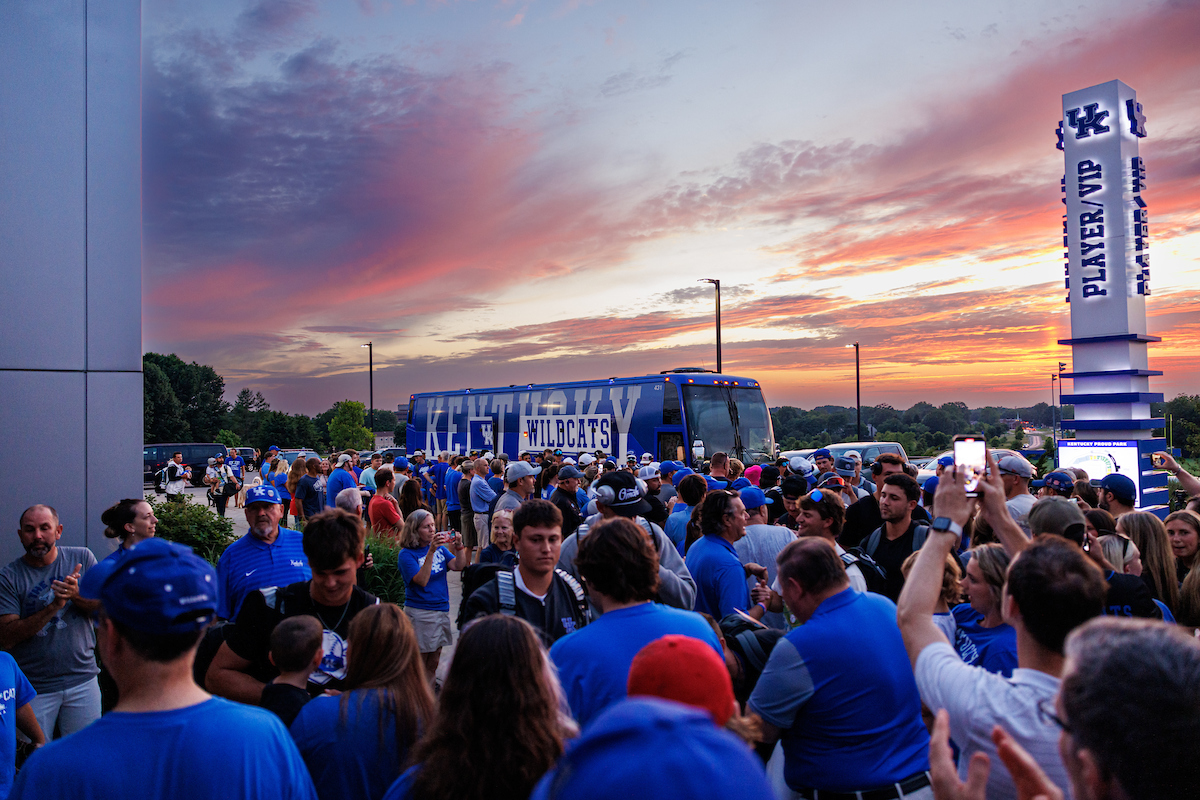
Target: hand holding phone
<point x="970" y="458"/>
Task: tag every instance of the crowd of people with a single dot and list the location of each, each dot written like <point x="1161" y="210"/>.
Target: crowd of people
<point x="821" y="628"/>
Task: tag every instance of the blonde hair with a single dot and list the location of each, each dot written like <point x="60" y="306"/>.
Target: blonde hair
<point x="993" y="561"/>
<point x="410" y="534"/>
<point x="1150" y="535"/>
<point x="1118" y="550"/>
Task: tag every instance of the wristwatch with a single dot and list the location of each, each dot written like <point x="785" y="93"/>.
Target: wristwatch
<point x="947" y="525"/>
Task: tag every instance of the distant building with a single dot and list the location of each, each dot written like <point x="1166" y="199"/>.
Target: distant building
<point x="385" y="439"/>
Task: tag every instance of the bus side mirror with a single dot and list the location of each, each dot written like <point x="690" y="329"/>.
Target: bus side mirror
<point x="698" y="450"/>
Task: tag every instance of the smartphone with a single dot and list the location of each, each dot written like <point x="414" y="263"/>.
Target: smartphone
<point x="970" y="454"/>
<point x="1158" y="461"/>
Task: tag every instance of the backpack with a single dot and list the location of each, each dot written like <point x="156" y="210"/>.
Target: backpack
<point x="872" y="544"/>
<point x="752" y="644"/>
<point x="873" y="574"/>
<point x="507" y="586"/>
<point x="473" y="577"/>
<point x="160" y="481"/>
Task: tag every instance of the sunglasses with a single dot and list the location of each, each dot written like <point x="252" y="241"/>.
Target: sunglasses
<point x="816" y="495"/>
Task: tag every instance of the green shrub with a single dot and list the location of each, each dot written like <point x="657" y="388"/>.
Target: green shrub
<point x="384" y="580"/>
<point x="193" y="525"/>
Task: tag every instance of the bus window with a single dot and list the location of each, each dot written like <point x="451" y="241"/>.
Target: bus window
<point x="672" y="414"/>
<point x="729" y="419"/>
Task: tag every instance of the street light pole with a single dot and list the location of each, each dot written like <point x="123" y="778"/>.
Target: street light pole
<point x="371" y="383"/>
<point x="1053" y="408"/>
<point x="857" y="393"/>
<point x="717" y="284"/>
<point x="1062" y="367"/>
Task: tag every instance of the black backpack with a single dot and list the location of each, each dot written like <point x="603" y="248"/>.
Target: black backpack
<point x="753" y="645"/>
<point x="473" y="577"/>
<point x="873" y="574"/>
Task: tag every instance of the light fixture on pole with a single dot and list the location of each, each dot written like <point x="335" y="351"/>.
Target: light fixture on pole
<point x="371" y="383"/>
<point x="1062" y="367"/>
<point x="1053" y="407"/>
<point x="717" y="284"/>
<point x="857" y="393"/>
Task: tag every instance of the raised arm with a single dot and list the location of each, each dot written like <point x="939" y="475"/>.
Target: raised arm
<point x="1187" y="481"/>
<point x="918" y="600"/>
<point x="991" y="492"/>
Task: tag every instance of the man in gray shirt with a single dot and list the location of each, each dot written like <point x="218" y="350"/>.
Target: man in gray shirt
<point x="521" y="478"/>
<point x="47" y="626"/>
<point x="762" y="544"/>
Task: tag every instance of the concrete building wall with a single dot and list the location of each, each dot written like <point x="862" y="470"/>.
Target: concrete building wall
<point x="70" y="262"/>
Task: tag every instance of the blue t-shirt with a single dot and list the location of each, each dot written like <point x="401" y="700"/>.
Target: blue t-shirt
<point x="841" y="688"/>
<point x="450" y="491"/>
<point x="676" y="527"/>
<point x="720" y="578"/>
<point x="403" y="787"/>
<point x="15" y="691"/>
<point x="593" y="662"/>
<point x="250" y="564"/>
<point x="309" y="495"/>
<point x="350" y="759"/>
<point x="497" y="483"/>
<point x="435" y="594"/>
<point x="212" y="749"/>
<point x="339" y="479"/>
<point x="437" y="473"/>
<point x="237" y="464"/>
<point x="994" y="649"/>
<point x="494" y="555"/>
<point x="279" y="479"/>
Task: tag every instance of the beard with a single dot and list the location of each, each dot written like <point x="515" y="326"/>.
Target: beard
<point x="37" y="549"/>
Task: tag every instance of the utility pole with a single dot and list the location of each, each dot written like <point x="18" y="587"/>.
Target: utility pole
<point x="717" y="284"/>
<point x="371" y="383"/>
<point x="857" y="393"/>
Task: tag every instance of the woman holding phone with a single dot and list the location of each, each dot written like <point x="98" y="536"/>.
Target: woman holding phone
<point x="424" y="560"/>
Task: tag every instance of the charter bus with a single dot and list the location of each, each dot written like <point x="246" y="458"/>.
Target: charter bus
<point x="680" y="415"/>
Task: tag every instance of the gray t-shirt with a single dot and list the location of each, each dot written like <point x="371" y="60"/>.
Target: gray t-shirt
<point x="761" y="545"/>
<point x="62" y="654"/>
<point x="510" y="500"/>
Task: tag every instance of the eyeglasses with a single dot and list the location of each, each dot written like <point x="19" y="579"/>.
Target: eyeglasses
<point x="1048" y="714"/>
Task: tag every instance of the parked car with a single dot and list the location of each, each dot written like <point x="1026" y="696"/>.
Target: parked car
<point x="195" y="455"/>
<point x="926" y="472"/>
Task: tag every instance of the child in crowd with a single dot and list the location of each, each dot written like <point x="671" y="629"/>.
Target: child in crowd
<point x="502" y="549"/>
<point x="296" y="650"/>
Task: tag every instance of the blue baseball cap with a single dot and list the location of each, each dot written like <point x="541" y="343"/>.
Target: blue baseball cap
<point x="159" y="588"/>
<point x="845" y="466"/>
<point x="753" y="497"/>
<point x="680" y="474"/>
<point x="822" y="453"/>
<point x="263" y="494"/>
<point x="1122" y="486"/>
<point x="667" y="467"/>
<point x="714" y="484"/>
<point x="645" y="747"/>
<point x="400" y="463"/>
<point x="931" y="485"/>
<point x="1060" y="482"/>
<point x="274" y="447"/>
<point x="740" y="483"/>
<point x="946" y="461"/>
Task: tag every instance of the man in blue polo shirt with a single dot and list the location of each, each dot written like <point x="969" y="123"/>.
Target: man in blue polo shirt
<point x="266" y="556"/>
<point x="619" y="567"/>
<point x="719" y="574"/>
<point x="839" y="689"/>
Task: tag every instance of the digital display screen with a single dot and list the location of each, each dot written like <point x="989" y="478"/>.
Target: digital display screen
<point x="1100" y="458"/>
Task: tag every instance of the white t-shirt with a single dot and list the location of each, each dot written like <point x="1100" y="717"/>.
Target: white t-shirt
<point x="978" y="700"/>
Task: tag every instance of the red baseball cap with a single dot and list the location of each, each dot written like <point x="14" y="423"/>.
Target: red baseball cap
<point x="685" y="670"/>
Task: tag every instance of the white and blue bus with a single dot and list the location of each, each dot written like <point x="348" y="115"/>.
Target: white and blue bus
<point x="680" y="415"/>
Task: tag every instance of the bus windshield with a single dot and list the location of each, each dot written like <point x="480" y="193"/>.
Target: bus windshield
<point x="730" y="419"/>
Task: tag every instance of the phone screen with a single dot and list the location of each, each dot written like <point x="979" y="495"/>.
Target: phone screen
<point x="972" y="455"/>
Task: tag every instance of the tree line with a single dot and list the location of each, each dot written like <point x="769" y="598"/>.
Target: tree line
<point x="925" y="428"/>
<point x="185" y="402"/>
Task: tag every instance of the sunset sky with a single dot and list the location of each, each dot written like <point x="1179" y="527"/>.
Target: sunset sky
<point x="528" y="191"/>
